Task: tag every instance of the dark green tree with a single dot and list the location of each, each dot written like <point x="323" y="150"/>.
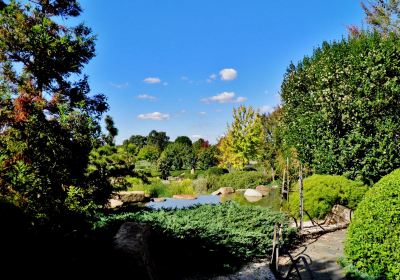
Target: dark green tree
<point x="207" y="157"/>
<point x="138" y="140"/>
<point x="180" y="155"/>
<point x="111" y="129"/>
<point x="183" y="140"/>
<point x="164" y="165"/>
<point x="342" y="108"/>
<point x="48" y="120"/>
<point x="158" y="139"/>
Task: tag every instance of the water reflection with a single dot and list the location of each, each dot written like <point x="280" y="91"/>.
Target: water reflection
<point x="271" y="200"/>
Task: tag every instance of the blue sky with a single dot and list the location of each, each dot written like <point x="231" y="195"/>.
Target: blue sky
<point x="180" y="66"/>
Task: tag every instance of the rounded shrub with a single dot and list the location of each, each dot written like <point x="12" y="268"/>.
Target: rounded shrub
<point x="216" y="171"/>
<point x="373" y="238"/>
<point x="321" y="192"/>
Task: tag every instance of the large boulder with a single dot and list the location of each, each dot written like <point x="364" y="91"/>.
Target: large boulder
<point x="223" y="191"/>
<point x="132" y="196"/>
<point x="339" y="214"/>
<point x="252" y="192"/>
<point x="131" y="244"/>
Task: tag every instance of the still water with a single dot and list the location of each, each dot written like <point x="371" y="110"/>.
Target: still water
<point x="271" y="200"/>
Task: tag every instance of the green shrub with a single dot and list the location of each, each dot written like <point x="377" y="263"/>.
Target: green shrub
<point x="159" y="189"/>
<point x="216" y="171"/>
<point x="201" y="185"/>
<point x="373" y="238"/>
<point x="321" y="192"/>
<point x="244" y="232"/>
<point x="237" y="180"/>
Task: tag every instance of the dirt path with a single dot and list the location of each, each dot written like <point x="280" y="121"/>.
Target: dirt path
<point x="322" y="253"/>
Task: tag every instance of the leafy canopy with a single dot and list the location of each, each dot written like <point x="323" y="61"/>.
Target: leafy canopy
<point x="48" y="119"/>
<point x="342" y="108"/>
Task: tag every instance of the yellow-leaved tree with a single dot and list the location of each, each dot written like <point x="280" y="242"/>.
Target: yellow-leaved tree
<point x="243" y="139"/>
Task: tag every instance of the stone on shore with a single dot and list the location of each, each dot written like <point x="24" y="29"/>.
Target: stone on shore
<point x="114" y="203"/>
<point x="184" y="196"/>
<point x="223" y="191"/>
<point x="131" y="196"/>
<point x="252" y="192"/>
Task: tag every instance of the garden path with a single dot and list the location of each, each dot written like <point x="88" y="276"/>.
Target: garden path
<point x="322" y="252"/>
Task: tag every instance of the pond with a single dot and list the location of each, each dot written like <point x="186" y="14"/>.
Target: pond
<point x="272" y="200"/>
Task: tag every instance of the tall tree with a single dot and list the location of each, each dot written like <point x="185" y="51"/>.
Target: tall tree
<point x="383" y="15"/>
<point x="243" y="140"/>
<point x="342" y="108"/>
<point x="138" y="140"/>
<point x="183" y="140"/>
<point x="112" y="131"/>
<point x="158" y="139"/>
<point x="48" y="120"/>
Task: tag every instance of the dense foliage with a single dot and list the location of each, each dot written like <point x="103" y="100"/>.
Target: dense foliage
<point x="373" y="240"/>
<point x="156" y="188"/>
<point x="48" y="122"/>
<point x="342" y="107"/>
<point x="237" y="180"/>
<point x="321" y="192"/>
<point x="243" y="140"/>
<point x="149" y="152"/>
<point x="245" y="232"/>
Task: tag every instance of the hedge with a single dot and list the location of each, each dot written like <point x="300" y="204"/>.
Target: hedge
<point x="373" y="238"/>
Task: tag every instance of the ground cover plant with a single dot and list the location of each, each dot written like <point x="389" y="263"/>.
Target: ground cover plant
<point x="243" y="232"/>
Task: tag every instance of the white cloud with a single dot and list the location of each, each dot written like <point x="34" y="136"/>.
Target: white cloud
<point x="211" y="78"/>
<point x="152" y="80"/>
<point x="202" y="113"/>
<point x="228" y="74"/>
<point x="147" y="97"/>
<point x="155" y="116"/>
<point x="224" y="97"/>
<point x="123" y="85"/>
<point x="266" y="109"/>
<point x="196" y="136"/>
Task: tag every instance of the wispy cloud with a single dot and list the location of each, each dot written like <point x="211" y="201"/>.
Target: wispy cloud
<point x="146" y="97"/>
<point x="211" y="78"/>
<point x="224" y="97"/>
<point x="202" y="113"/>
<point x="228" y="74"/>
<point x="155" y="116"/>
<point x="196" y="136"/>
<point x="122" y="85"/>
<point x="165" y="83"/>
<point x="152" y="80"/>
